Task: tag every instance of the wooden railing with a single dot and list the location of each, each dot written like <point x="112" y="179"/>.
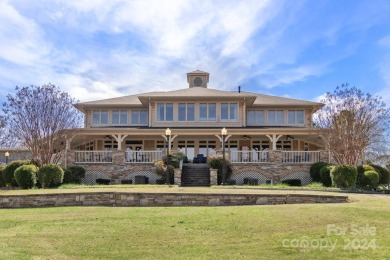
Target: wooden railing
<point x="93" y="156"/>
<point x="249" y="156"/>
<point x="143" y="156"/>
<point x="253" y="156"/>
<point x="300" y="156"/>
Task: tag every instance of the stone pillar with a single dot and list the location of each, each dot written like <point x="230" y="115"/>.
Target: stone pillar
<point x="177" y="176"/>
<point x="275" y="156"/>
<point x="118" y="158"/>
<point x="325" y="156"/>
<point x="69" y="157"/>
<point x="213" y="177"/>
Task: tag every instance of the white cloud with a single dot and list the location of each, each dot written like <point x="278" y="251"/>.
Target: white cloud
<point x="98" y="49"/>
<point x="21" y="39"/>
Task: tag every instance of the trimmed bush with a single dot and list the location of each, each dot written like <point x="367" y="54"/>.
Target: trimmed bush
<point x="26" y="176"/>
<point x="315" y="170"/>
<point x="343" y="176"/>
<point x="2" y="184"/>
<point x="369" y="179"/>
<point x="50" y="175"/>
<point x="360" y="171"/>
<point x="9" y="170"/>
<point x="384" y="174"/>
<point x="216" y="162"/>
<point x="326" y="180"/>
<point x="74" y="174"/>
<point x="293" y="182"/>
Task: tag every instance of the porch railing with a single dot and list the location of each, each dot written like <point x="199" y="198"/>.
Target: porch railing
<point x="300" y="156"/>
<point x="143" y="156"/>
<point x="93" y="156"/>
<point x="249" y="156"/>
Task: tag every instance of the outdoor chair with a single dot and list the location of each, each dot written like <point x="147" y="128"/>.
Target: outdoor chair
<point x="200" y="158"/>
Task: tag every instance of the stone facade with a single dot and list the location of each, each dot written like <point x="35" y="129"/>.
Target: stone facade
<point x="124" y="199"/>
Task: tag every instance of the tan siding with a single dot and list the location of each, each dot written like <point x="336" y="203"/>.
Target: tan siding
<point x="149" y="145"/>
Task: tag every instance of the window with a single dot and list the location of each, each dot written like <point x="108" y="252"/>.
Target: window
<point x="164" y="111"/>
<point x="275" y="117"/>
<point x="119" y="117"/>
<point x="229" y="111"/>
<point x="283" y="145"/>
<point x="139" y="117"/>
<point x="256" y="117"/>
<point x="186" y="112"/>
<point x="295" y="117"/>
<point x="100" y="117"/>
<point x="207" y="112"/>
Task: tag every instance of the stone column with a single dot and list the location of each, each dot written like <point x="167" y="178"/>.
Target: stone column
<point x="177" y="176"/>
<point x="70" y="158"/>
<point x="275" y="156"/>
<point x="118" y="158"/>
<point x="213" y="177"/>
<point x="325" y="156"/>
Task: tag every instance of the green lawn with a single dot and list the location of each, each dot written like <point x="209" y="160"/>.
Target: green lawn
<point x="248" y="232"/>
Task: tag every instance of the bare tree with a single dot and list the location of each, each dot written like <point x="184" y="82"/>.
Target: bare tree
<point x="350" y="122"/>
<point x="6" y="139"/>
<point x="39" y="116"/>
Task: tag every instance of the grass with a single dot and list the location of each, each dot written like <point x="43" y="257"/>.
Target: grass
<point x="249" y="232"/>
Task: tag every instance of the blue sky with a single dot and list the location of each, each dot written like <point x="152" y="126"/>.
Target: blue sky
<point x="97" y="49"/>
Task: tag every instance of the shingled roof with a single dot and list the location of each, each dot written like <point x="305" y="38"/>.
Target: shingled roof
<point x="192" y="94"/>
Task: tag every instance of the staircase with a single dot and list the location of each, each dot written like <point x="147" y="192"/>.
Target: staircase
<point x="195" y="175"/>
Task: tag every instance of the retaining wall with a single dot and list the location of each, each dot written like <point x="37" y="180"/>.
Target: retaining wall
<point x="160" y="199"/>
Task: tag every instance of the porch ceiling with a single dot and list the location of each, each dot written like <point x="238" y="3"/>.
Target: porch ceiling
<point x="304" y="132"/>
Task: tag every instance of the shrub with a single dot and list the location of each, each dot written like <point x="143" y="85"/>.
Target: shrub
<point x="161" y="169"/>
<point x="2" y="184"/>
<point x="26" y="176"/>
<point x="9" y="170"/>
<point x="216" y="162"/>
<point x="293" y="182"/>
<point x="360" y="170"/>
<point x="369" y="179"/>
<point x="384" y="174"/>
<point x="74" y="174"/>
<point x="315" y="170"/>
<point x="343" y="176"/>
<point x="50" y="175"/>
<point x="326" y="180"/>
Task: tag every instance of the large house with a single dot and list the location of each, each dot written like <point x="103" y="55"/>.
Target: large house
<point x="268" y="137"/>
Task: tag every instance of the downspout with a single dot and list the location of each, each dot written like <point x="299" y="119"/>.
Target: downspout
<point x="150" y="114"/>
<point x="244" y="112"/>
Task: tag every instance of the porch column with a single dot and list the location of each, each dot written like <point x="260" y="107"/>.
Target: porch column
<point x="274" y="138"/>
<point x="119" y="138"/>
<point x="67" y="148"/>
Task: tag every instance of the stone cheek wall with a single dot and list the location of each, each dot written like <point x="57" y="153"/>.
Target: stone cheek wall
<point x="159" y="199"/>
